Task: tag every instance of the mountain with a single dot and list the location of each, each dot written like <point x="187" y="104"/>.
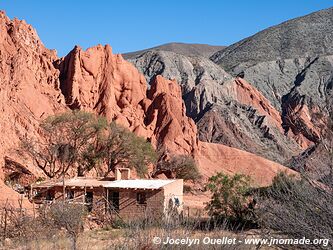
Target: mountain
<point x="222" y="106"/>
<point x="186" y="49"/>
<point x="303" y="37"/>
<point x="291" y="64"/>
<point x="287" y="71"/>
<point x="197" y="76"/>
<point x="289" y="59"/>
<point x="35" y="83"/>
<point x="29" y="91"/>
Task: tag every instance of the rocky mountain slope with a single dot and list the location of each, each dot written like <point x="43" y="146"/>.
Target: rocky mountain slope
<point x="99" y="81"/>
<point x="226" y="110"/>
<point x="291" y="64"/>
<point x="186" y="49"/>
<point x="35" y="83"/>
<point x="287" y="68"/>
<point x="29" y="89"/>
<point x="307" y="36"/>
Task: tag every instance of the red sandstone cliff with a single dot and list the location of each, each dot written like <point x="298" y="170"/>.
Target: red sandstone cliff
<point x="29" y="89"/>
<point x="98" y="81"/>
<point x="29" y="84"/>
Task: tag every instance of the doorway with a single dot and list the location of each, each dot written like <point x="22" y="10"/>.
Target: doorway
<point x="113" y="200"/>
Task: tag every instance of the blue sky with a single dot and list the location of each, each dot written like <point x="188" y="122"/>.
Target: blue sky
<point x="133" y="25"/>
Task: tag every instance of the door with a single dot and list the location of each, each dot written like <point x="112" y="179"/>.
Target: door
<point x="114" y="201"/>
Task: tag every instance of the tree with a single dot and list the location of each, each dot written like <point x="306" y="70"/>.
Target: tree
<point x="230" y="197"/>
<point x="123" y="148"/>
<point x="71" y="142"/>
<point x="297" y="207"/>
<point x="68" y="216"/>
<point x="179" y="166"/>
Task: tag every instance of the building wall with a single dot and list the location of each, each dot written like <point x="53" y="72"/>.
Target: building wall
<point x="172" y="192"/>
<point x="129" y="209"/>
<point x="98" y="194"/>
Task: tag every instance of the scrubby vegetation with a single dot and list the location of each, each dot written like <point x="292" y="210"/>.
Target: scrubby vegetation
<point x="292" y="207"/>
<point x="58" y="220"/>
<point x="67" y="216"/>
<point x="179" y="166"/>
<point x="297" y="207"/>
<point x="230" y="198"/>
<point x="56" y="229"/>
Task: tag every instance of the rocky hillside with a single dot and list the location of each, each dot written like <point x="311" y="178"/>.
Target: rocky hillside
<point x="307" y="36"/>
<point x="287" y="71"/>
<point x="291" y="64"/>
<point x="227" y="110"/>
<point x="35" y="83"/>
<point x="29" y="91"/>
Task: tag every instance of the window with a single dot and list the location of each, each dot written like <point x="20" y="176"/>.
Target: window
<point x="141" y="198"/>
<point x="114" y="201"/>
<point x="50" y="195"/>
<point x="70" y="194"/>
<point x="89" y="198"/>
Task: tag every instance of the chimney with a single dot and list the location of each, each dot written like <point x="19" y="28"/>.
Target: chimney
<point x="122" y="174"/>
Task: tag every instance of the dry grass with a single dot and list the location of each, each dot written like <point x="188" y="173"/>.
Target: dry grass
<point x="132" y="238"/>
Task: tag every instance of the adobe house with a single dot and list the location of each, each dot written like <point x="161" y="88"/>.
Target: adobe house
<point x="123" y="197"/>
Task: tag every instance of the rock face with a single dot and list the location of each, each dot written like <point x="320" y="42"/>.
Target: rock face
<point x="248" y="121"/>
<point x="29" y="84"/>
<point x="199" y="78"/>
<point x="291" y="64"/>
<point x="167" y="114"/>
<point x="98" y="81"/>
<point x="29" y="90"/>
<point x="307" y="36"/>
<point x="226" y="110"/>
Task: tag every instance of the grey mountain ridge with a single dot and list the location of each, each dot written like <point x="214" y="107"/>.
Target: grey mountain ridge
<point x="186" y="49"/>
<point x="307" y="36"/>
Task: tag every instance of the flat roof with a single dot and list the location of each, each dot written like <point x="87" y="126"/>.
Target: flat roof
<point x="84" y="182"/>
<point x="138" y="184"/>
<point x="94" y="182"/>
<point x="74" y="182"/>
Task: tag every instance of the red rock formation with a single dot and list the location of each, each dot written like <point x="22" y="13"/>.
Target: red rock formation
<point x="302" y="128"/>
<point x="167" y="115"/>
<point x="98" y="81"/>
<point x="29" y="88"/>
<point x="214" y="158"/>
<point x="246" y="94"/>
<point x="29" y="84"/>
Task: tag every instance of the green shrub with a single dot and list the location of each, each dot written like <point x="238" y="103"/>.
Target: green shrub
<point x="230" y="197"/>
